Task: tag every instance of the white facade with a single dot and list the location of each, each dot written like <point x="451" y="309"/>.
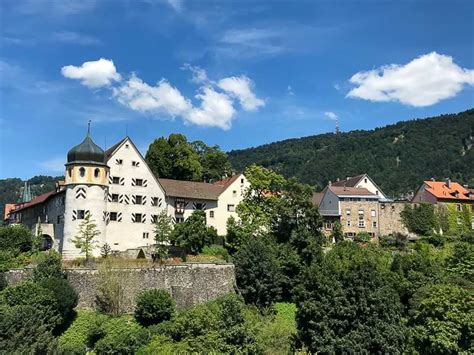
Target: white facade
<point x="134" y="197"/>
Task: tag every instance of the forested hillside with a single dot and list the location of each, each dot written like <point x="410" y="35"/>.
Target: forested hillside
<point x="398" y="157"/>
<point x="11" y="190"/>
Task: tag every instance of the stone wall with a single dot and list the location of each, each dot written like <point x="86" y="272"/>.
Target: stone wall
<point x="390" y="218"/>
<point x="189" y="284"/>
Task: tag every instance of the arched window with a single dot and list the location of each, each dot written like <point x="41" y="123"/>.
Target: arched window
<point x="82" y="172"/>
<point x="96" y="173"/>
<point x="69" y="172"/>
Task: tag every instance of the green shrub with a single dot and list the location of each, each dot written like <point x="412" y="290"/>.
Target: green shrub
<point x="154" y="306"/>
<point x="362" y="237"/>
<point x="84" y="332"/>
<point x="49" y="265"/>
<point x="66" y="297"/>
<point x="217" y="251"/>
<point x="28" y="315"/>
<point x="275" y="335"/>
<point x="122" y="336"/>
<point x="15" y="238"/>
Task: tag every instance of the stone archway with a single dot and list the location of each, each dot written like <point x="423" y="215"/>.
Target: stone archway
<point x="46" y="242"/>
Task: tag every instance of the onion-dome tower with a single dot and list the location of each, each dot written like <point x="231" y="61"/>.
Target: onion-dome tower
<point x="86" y="184"/>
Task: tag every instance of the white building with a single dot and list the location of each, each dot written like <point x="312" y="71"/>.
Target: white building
<point x="123" y="197"/>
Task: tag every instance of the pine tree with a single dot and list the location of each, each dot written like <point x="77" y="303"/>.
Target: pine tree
<point x="84" y="240"/>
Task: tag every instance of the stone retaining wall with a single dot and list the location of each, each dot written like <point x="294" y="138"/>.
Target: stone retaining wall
<point x="189" y="284"/>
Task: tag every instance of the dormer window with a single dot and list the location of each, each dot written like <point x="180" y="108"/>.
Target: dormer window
<point x="82" y="172"/>
<point x="96" y="173"/>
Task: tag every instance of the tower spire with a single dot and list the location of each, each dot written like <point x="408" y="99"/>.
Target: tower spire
<point x="89" y="128"/>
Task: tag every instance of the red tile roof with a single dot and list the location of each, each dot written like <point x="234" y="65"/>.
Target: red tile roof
<point x="454" y="191"/>
<point x="37" y="200"/>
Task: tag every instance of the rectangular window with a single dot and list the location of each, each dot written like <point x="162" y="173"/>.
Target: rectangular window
<point x="145" y="235"/>
<point x="374" y="224"/>
<point x="328" y="225"/>
<point x="361" y="223"/>
<point x="211" y="214"/>
<point x="458" y="208"/>
<point x="115" y="198"/>
<point x="138" y="199"/>
<point x="179" y="205"/>
<point x="198" y="206"/>
<point x="119" y="161"/>
<point x="230" y="208"/>
<point x="138" y="182"/>
<point x="135" y="163"/>
<point x="138" y="218"/>
<point x="361" y="212"/>
<point x="234" y="193"/>
<point x="81" y="214"/>
<point x="155" y="201"/>
<point x="113" y="216"/>
<point x="348" y="223"/>
<point x="60" y="219"/>
<point x="179" y="219"/>
<point x="154" y="218"/>
<point x="348" y="211"/>
<point x="242" y="181"/>
<point x="115" y="180"/>
<point x="373" y="213"/>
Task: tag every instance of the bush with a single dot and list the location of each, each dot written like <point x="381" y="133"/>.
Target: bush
<point x="49" y="266"/>
<point x="28" y="315"/>
<point x="362" y="237"/>
<point x="154" y="306"/>
<point x="122" y="336"/>
<point x="66" y="297"/>
<point x="276" y="333"/>
<point x="16" y="239"/>
<point x="84" y="332"/>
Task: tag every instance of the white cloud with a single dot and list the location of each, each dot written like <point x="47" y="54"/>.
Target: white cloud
<point x="199" y="74"/>
<point x="241" y="88"/>
<point x="290" y="91"/>
<point x="216" y="110"/>
<point x="331" y="115"/>
<point x="93" y="74"/>
<point x="424" y="81"/>
<point x="216" y="107"/>
<point x="75" y="38"/>
<point x="163" y="97"/>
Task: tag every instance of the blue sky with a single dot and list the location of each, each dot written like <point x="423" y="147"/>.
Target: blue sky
<point x="232" y="73"/>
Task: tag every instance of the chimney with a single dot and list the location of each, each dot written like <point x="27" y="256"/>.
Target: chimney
<point x="337" y="179"/>
<point x="433" y="179"/>
<point x="329" y="183"/>
<point x="348" y="177"/>
<point x="448" y="183"/>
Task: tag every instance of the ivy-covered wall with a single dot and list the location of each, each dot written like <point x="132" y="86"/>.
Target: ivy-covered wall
<point x="448" y="218"/>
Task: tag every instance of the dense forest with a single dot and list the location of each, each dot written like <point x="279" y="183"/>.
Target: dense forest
<point x="11" y="190"/>
<point x="398" y="157"/>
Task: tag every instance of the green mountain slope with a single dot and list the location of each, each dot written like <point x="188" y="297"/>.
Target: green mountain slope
<point x="398" y="157"/>
<point x="11" y="190"/>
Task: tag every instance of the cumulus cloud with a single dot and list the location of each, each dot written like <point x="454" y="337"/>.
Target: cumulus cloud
<point x="424" y="81"/>
<point x="241" y="88"/>
<point x="162" y="97"/>
<point x="216" y="109"/>
<point x="93" y="74"/>
<point x="216" y="106"/>
<point x="331" y="115"/>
